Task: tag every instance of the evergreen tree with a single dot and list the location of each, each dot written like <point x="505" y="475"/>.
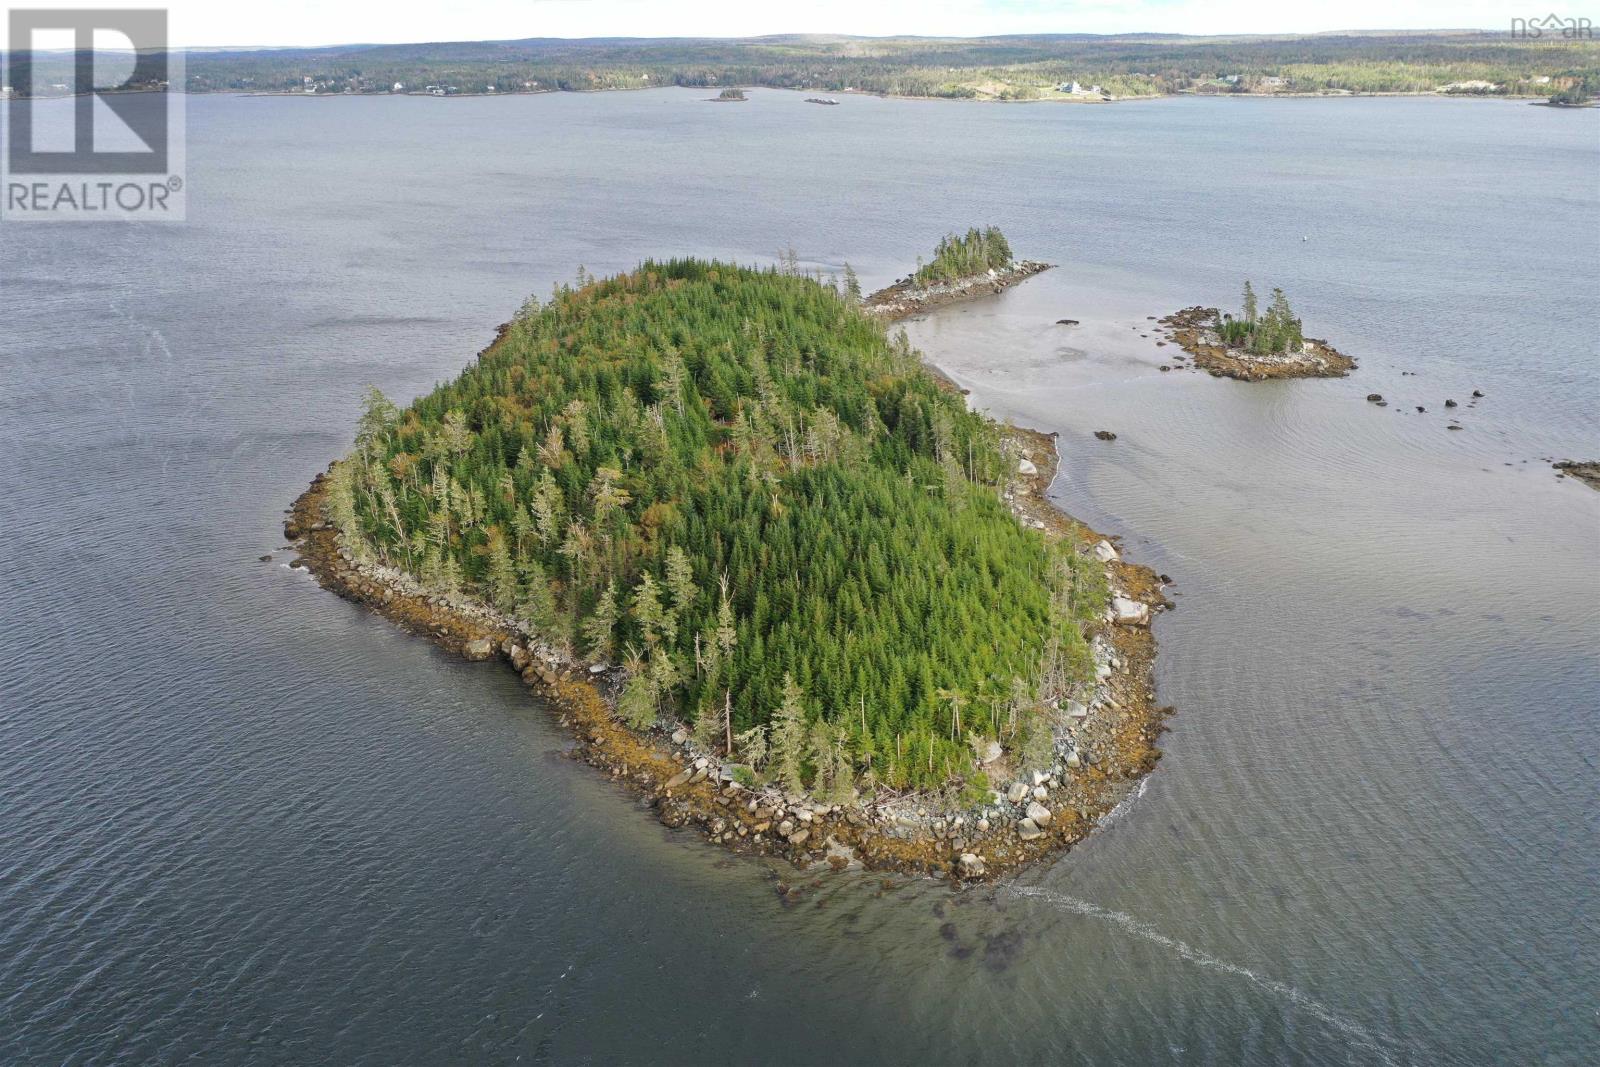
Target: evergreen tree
<point x="378" y="418"/>
<point x="680" y="580"/>
<point x="599" y="629"/>
<point x="787" y="744"/>
<point x="751" y="747"/>
<point x="504" y="590"/>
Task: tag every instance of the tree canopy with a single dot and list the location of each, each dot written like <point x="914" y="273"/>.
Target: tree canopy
<point x="734" y="482"/>
<point x="1275" y="332"/>
<point x="963" y="255"/>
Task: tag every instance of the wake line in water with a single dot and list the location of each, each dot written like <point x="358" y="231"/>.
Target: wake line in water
<point x="1381" y="1045"/>
<point x="1123" y="805"/>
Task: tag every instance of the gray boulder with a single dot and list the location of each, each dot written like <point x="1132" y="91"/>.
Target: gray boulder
<point x="1130" y="612"/>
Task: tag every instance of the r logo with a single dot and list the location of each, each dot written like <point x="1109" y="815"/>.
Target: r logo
<point x="114" y="131"/>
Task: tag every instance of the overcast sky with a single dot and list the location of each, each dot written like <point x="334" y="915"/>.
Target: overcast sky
<point x="319" y="22"/>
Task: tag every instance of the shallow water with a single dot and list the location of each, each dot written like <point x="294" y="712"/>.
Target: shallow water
<point x="243" y="821"/>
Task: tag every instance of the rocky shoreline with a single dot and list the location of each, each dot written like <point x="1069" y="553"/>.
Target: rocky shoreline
<point x="1586" y="472"/>
<point x="1105" y="744"/>
<point x="1192" y="330"/>
<point x="906" y="298"/>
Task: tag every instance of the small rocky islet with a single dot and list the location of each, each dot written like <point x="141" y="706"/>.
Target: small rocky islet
<point x="1255" y="345"/>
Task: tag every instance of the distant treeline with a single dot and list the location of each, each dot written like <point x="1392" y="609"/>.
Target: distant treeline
<point x="1021" y="67"/>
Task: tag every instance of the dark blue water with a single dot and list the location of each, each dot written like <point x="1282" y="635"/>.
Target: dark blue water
<point x="242" y="821"/>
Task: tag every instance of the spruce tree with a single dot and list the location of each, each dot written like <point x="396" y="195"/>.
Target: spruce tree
<point x="788" y="739"/>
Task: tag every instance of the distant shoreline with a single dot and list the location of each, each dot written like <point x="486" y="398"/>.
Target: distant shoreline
<point x="1059" y="98"/>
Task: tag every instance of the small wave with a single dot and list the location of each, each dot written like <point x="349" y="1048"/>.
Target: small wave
<point x="364" y="321"/>
<point x="1383" y="1046"/>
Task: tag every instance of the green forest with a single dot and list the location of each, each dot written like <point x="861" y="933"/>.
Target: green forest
<point x="732" y="483"/>
<point x="1273" y="332"/>
<point x="963" y="255"/>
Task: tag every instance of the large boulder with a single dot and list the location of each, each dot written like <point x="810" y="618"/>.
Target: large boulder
<point x="1025" y="466"/>
<point x="971" y="865"/>
<point x="478" y="649"/>
<point x="1017" y="792"/>
<point x="1039" y="814"/>
<point x="1130" y="612"/>
<point x="1027" y="829"/>
<point x="1105" y="552"/>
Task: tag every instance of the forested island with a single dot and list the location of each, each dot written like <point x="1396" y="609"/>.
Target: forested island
<point x="1254" y="345"/>
<point x="1076" y="68"/>
<point x="771" y="569"/>
<point x="963" y="266"/>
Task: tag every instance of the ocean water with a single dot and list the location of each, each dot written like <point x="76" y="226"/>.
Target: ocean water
<point x="242" y="821"/>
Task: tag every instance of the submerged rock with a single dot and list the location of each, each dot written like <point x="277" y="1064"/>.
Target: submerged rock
<point x="478" y="649"/>
<point x="1105" y="435"/>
